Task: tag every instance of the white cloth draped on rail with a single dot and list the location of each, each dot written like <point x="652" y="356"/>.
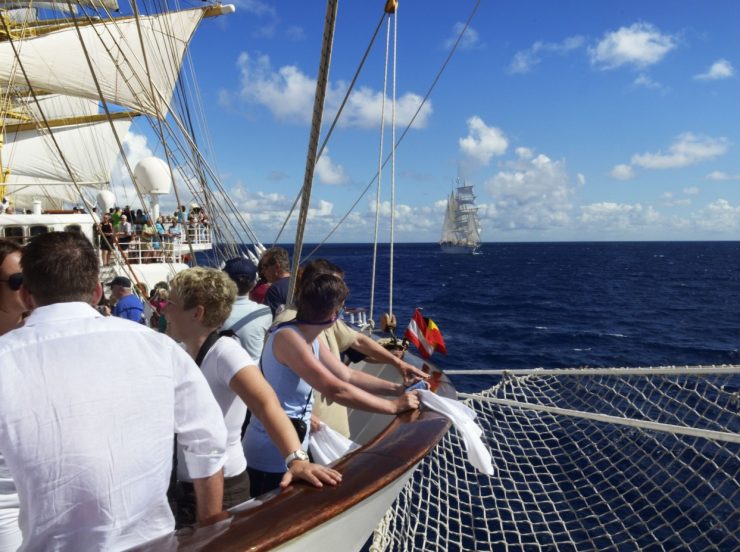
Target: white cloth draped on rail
<point x="463" y="418"/>
<point x="328" y="445"/>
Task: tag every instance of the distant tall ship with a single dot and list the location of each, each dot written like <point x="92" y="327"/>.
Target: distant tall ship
<point x="461" y="227"/>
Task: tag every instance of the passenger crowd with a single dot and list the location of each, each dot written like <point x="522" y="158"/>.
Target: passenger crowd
<point x="213" y="363"/>
<point x="119" y="227"/>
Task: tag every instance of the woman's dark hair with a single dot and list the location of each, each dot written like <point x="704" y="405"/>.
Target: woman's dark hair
<point x="321" y="297"/>
<point x="310" y="269"/>
<point x="7" y="247"/>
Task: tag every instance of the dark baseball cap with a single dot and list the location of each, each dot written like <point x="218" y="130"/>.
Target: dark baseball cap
<point x="120" y="281"/>
<point x="240" y="267"/>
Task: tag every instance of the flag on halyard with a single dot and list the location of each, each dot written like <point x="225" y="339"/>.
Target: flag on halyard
<point x="425" y="334"/>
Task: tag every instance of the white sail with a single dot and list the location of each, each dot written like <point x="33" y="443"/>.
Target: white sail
<point x="90" y="150"/>
<point x="57" y="61"/>
<point x="448" y="226"/>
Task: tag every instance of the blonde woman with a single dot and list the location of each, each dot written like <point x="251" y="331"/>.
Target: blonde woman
<point x="199" y="302"/>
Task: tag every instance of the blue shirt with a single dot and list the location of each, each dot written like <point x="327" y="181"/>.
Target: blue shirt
<point x="295" y="397"/>
<point x="277" y="295"/>
<point x="130" y="308"/>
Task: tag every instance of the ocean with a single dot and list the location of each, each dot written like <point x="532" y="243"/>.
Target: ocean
<point x="557" y="305"/>
<point x="561" y="305"/>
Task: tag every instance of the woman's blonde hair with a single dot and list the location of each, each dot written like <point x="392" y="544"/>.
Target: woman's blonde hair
<point x="208" y="287"/>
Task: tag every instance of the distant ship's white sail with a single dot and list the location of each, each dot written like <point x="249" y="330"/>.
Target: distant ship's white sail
<point x="448" y="226"/>
<point x="461" y="226"/>
<point x="90" y="150"/>
<point x="56" y="62"/>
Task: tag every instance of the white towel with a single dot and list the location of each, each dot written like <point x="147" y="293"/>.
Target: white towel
<point x="328" y="445"/>
<point x="462" y="418"/>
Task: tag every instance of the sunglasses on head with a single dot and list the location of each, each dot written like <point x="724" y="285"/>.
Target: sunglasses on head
<point x="14" y="281"/>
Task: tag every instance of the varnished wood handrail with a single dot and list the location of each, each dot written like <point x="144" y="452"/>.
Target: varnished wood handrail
<point x="301" y="507"/>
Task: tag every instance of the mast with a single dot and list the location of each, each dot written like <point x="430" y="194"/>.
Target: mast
<point x="318" y="110"/>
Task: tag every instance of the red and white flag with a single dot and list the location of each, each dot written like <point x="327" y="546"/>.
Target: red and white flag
<point x="425" y="334"/>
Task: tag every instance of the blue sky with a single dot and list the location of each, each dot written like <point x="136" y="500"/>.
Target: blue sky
<point x="574" y="120"/>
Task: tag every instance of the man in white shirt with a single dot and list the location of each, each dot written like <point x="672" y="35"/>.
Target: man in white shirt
<point x="248" y="320"/>
<point x="88" y="409"/>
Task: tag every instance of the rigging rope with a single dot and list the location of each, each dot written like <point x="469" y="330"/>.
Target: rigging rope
<point x="380" y="164"/>
<point x="406" y="129"/>
<point x="393" y="164"/>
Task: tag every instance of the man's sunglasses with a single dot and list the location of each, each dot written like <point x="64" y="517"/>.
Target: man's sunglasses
<point x="14" y="281"/>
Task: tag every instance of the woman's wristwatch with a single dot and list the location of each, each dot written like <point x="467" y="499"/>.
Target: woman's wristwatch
<point x="295" y="455"/>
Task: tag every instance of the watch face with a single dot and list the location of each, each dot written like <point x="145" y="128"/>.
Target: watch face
<point x="297" y="455"/>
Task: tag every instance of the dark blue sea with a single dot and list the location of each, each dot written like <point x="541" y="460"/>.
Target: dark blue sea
<point x="554" y="305"/>
<point x="559" y="305"/>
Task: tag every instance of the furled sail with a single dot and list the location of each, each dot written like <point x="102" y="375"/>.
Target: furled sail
<point x="90" y="150"/>
<point x="111" y="5"/>
<point x="57" y="62"/>
<point x="52" y="193"/>
<point x="54" y="106"/>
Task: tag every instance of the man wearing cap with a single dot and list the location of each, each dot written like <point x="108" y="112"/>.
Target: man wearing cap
<point x="88" y="436"/>
<point x="128" y="305"/>
<point x="248" y="320"/>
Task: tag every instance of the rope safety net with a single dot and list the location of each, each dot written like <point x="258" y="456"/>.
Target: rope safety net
<point x="567" y="482"/>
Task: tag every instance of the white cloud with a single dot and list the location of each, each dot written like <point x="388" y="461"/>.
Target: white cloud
<point x="670" y="201"/>
<point x="718" y="216"/>
<point x="639" y="45"/>
<point x="482" y="142"/>
<point x="328" y="172"/>
<point x="531" y="194"/>
<point x="469" y="41"/>
<point x="266" y="211"/>
<point x="136" y="148"/>
<point x="289" y="93"/>
<point x="525" y="60"/>
<point x="691" y="191"/>
<point x="623" y="172"/>
<point x="720" y="69"/>
<point x="524" y="153"/>
<point x="687" y="149"/>
<point x="414" y="220"/>
<point x="295" y="33"/>
<point x="365" y="105"/>
<point x="255" y="7"/>
<point x="718" y="175"/>
<point x="260" y="9"/>
<point x="646" y="81"/>
<point x="608" y="215"/>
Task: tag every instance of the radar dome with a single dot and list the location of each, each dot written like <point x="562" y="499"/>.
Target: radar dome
<point x="106" y="200"/>
<point x="153" y="176"/>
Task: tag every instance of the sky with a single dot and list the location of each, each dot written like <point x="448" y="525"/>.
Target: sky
<point x="573" y="120"/>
